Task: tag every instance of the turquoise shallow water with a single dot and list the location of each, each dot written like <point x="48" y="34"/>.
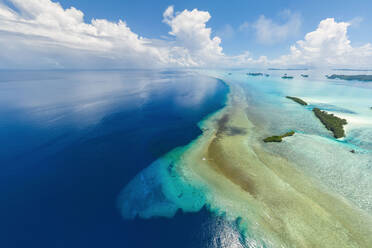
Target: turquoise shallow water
<point x="314" y="149"/>
<point x="159" y="191"/>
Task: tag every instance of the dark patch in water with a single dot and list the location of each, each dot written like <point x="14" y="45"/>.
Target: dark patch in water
<point x="223" y="128"/>
<point x="233" y="131"/>
<point x="220" y="163"/>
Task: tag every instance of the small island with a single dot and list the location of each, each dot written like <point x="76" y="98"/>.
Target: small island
<point x="298" y="100"/>
<point x="364" y="78"/>
<point x="267" y="75"/>
<point x="255" y="74"/>
<point x="304" y="75"/>
<point x="278" y="138"/>
<point x="287" y="77"/>
<point x="288" y="69"/>
<point x="331" y="122"/>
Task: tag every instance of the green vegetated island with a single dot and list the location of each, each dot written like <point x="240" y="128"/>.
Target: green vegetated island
<point x="287" y="77"/>
<point x="364" y="78"/>
<point x="298" y="100"/>
<point x="349" y="69"/>
<point x="255" y="74"/>
<point x="331" y="122"/>
<point x="288" y="69"/>
<point x="278" y="138"/>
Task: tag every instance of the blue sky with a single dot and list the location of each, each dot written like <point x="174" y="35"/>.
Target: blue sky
<point x="164" y="33"/>
<point x="145" y="17"/>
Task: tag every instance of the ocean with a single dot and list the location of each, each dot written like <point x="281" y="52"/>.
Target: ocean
<point x="71" y="140"/>
<point x="176" y="158"/>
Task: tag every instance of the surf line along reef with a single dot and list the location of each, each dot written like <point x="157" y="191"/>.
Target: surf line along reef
<point x="228" y="170"/>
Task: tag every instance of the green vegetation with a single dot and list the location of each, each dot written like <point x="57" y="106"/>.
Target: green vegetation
<point x="365" y="78"/>
<point x="298" y="100"/>
<point x="267" y="75"/>
<point x="331" y="122"/>
<point x="304" y="75"/>
<point x="278" y="138"/>
<point x="287" y="77"/>
<point x="255" y="74"/>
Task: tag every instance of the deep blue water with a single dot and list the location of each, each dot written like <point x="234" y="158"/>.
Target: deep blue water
<point x="71" y="140"/>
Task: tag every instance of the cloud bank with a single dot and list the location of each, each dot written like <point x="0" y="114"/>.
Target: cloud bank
<point x="42" y="34"/>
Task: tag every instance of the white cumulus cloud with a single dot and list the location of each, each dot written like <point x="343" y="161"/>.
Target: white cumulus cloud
<point x="327" y="46"/>
<point x="43" y="34"/>
<point x="190" y="31"/>
<point x="269" y="32"/>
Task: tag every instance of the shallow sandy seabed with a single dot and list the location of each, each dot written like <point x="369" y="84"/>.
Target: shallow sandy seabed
<point x="270" y="198"/>
<point x="227" y="169"/>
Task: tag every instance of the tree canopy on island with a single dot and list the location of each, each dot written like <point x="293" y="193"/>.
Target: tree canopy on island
<point x="331" y="122"/>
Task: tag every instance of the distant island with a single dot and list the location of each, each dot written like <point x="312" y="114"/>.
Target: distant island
<point x="331" y="122"/>
<point x="346" y="69"/>
<point x="365" y="78"/>
<point x="255" y="74"/>
<point x="288" y="69"/>
<point x="287" y="77"/>
<point x="267" y="75"/>
<point x="304" y="75"/>
<point x="298" y="100"/>
<point x="278" y="138"/>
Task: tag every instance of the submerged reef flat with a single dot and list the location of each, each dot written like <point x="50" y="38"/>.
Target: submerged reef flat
<point x="298" y="100"/>
<point x="366" y="78"/>
<point x="272" y="201"/>
<point x="331" y="122"/>
<point x="278" y="138"/>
